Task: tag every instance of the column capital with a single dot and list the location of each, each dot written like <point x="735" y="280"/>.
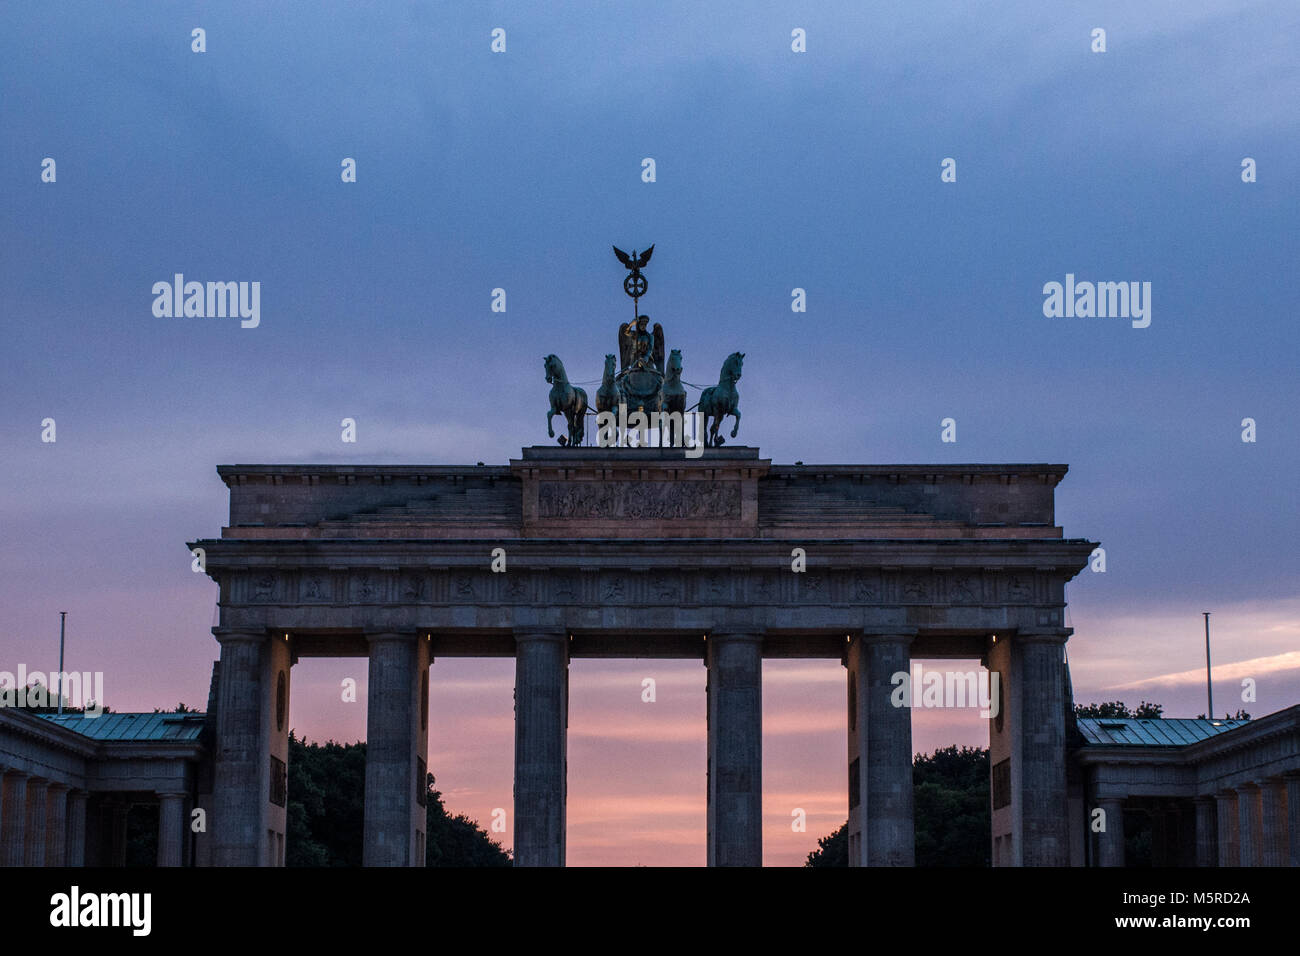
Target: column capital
<point x="1046" y="635"/>
<point x="524" y="634"/>
<point x="886" y="635"/>
<point x="229" y="635"/>
<point x="394" y="637"/>
<point x="58" y="785"/>
<point x="752" y="634"/>
<point x="887" y="630"/>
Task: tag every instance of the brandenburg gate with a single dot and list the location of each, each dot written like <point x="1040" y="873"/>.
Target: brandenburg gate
<point x="664" y="549"/>
<point x="574" y="551"/>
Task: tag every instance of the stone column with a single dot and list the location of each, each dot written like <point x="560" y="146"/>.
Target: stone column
<point x="1030" y="805"/>
<point x="56" y="824"/>
<point x="76" y="839"/>
<point x="735" y="729"/>
<point x="1272" y="804"/>
<point x="1292" y="781"/>
<point x="396" y="746"/>
<point x="248" y="819"/>
<point x="171" y="828"/>
<point x="34" y="854"/>
<point x="1248" y="825"/>
<point x="13" y="819"/>
<point x="1226" y="809"/>
<point x="241" y="780"/>
<point x="1040" y="691"/>
<point x="885" y="752"/>
<point x="1207" y="849"/>
<point x="277" y="658"/>
<point x="1004" y="753"/>
<point x="1110" y="842"/>
<point x="541" y="749"/>
<point x="856" y="737"/>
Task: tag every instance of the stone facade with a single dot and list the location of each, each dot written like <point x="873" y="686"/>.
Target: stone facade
<point x="68" y="783"/>
<point x="1230" y="798"/>
<point x="572" y="552"/>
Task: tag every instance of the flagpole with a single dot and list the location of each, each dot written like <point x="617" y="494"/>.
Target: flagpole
<point x="1209" y="688"/>
<point x="63" y="620"/>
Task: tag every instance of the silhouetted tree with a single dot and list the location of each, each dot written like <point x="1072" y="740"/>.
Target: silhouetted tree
<point x="1118" y="709"/>
<point x="1239" y="715"/>
<point x="326" y="804"/>
<point x="457" y="840"/>
<point x="831" y="850"/>
<point x="950" y="793"/>
<point x="36" y="690"/>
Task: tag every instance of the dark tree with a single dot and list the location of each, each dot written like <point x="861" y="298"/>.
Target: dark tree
<point x="457" y="840"/>
<point x="326" y="805"/>
<point x="951" y="798"/>
<point x="831" y="850"/>
<point x="1118" y="709"/>
<point x="37" y="690"/>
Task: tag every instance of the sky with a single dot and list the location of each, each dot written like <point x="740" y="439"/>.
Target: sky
<point x="775" y="170"/>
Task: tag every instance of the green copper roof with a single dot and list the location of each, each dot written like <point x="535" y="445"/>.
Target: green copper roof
<point x="1145" y="732"/>
<point x="132" y="726"/>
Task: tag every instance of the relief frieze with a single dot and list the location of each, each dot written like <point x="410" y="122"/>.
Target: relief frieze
<point x="639" y="499"/>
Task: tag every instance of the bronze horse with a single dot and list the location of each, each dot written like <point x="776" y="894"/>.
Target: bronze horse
<point x="608" y="395"/>
<point x="719" y="401"/>
<point x="567" y="400"/>
<point x="673" y="394"/>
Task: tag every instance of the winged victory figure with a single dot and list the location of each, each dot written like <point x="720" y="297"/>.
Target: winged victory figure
<point x="639" y="347"/>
